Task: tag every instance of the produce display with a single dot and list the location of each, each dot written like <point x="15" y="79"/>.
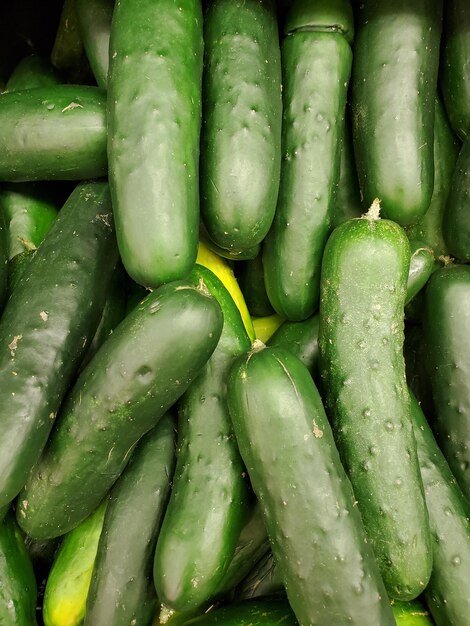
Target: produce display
<point x="235" y="313"/>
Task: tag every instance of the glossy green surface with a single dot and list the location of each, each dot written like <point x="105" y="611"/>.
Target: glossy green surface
<point x="154" y="115"/>
<point x="364" y="275"/>
<point x="241" y="131"/>
<point x="4" y="245"/>
<point x="122" y="590"/>
<point x="139" y="372"/>
<point x="456" y="220"/>
<point x="321" y="15"/>
<point x="259" y="613"/>
<point x="412" y="613"/>
<point x="394" y="79"/>
<point x="422" y="265"/>
<point x="31" y="72"/>
<point x="94" y="19"/>
<point x="47" y="324"/>
<point x="231" y="255"/>
<point x="300" y="338"/>
<point x="207" y="507"/>
<point x="305" y="496"/>
<point x="38" y="133"/>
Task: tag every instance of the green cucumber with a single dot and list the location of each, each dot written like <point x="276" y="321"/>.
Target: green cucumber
<point x="154" y="115"/>
<point x="18" y="584"/>
<point x="241" y="126"/>
<point x="272" y="612"/>
<point x="209" y="498"/>
<point x="316" y="66"/>
<point x="306" y="498"/>
<point x="69" y="579"/>
<point x="94" y="20"/>
<point x="31" y="72"/>
<point x="456" y="218"/>
<point x="250" y="277"/>
<point x="364" y="275"/>
<point x="394" y="81"/>
<point x="447" y="593"/>
<point x="300" y="338"/>
<point x="122" y="590"/>
<point x="39" y="138"/>
<point x="446" y="327"/>
<point x="455" y="64"/>
<point x="231" y="255"/>
<point x="67" y="51"/>
<point x="263" y="580"/>
<point x="422" y="265"/>
<point x="138" y="373"/>
<point x="412" y="613"/>
<point x="4" y="241"/>
<point x="47" y="324"/>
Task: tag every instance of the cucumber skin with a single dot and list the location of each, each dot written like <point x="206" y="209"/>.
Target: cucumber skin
<point x="53" y="314"/>
<point x="18" y="590"/>
<point x="457" y="212"/>
<point x="138" y="373"/>
<point x="300" y="338"/>
<point x="38" y="132"/>
<point x="446" y="327"/>
<point x="422" y="265"/>
<point x="275" y="406"/>
<point x="447" y="593"/>
<point x="412" y="613"/>
<point x="364" y="275"/>
<point x="241" y="131"/>
<point x="316" y="69"/>
<point x="154" y="114"/>
<point x="394" y="80"/>
<point x="118" y="595"/>
<point x="263" y="580"/>
<point x="94" y="20"/>
<point x="209" y="498"/>
<point x="32" y="72"/>
<point x="264" y="612"/>
<point x="3" y="258"/>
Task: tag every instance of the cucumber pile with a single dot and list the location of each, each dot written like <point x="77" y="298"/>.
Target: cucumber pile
<point x="235" y="313"/>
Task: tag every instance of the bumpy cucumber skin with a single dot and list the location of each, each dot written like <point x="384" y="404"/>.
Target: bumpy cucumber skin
<point x="394" y="79"/>
<point x="68" y="582"/>
<point x="154" y="114"/>
<point x="241" y="132"/>
<point x="94" y="20"/>
<point x="121" y="590"/>
<point x="316" y="68"/>
<point x="18" y="589"/>
<point x="47" y="325"/>
<point x="285" y="440"/>
<point x="31" y="72"/>
<point x="39" y="138"/>
<point x="455" y="65"/>
<point x="447" y="593"/>
<point x="272" y="612"/>
<point x="139" y="372"/>
<point x="457" y="212"/>
<point x="446" y="327"/>
<point x="364" y="274"/>
<point x="209" y="498"/>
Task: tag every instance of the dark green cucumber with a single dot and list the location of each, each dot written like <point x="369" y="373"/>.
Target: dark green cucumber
<point x="250" y="277"/>
<point x="68" y="582"/>
<point x="306" y="498"/>
<point x="263" y="580"/>
<point x="4" y="245"/>
<point x="94" y="20"/>
<point x="138" y="373"/>
<point x="300" y="338"/>
<point x="47" y="324"/>
<point x="456" y="220"/>
<point x="455" y="65"/>
<point x="394" y="81"/>
<point x="272" y="612"/>
<point x="39" y="138"/>
<point x="364" y="275"/>
<point x="412" y="613"/>
<point x="154" y="107"/>
<point x="18" y="584"/>
<point x="67" y="51"/>
<point x="122" y="590"/>
<point x="241" y="130"/>
<point x="316" y="66"/>
<point x="446" y="326"/>
<point x="421" y="267"/>
<point x="447" y="593"/>
<point x="209" y="498"/>
<point x="446" y="150"/>
<point x="231" y="255"/>
<point x="31" y="72"/>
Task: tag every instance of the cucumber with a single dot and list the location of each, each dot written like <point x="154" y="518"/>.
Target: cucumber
<point x="455" y="64"/>
<point x="69" y="579"/>
<point x="94" y="20"/>
<point x="447" y="594"/>
<point x="154" y="115"/>
<point x="38" y="132"/>
<point x="47" y="324"/>
<point x="300" y="338"/>
<point x="364" y="274"/>
<point x="209" y="498"/>
<point x="138" y="373"/>
<point x="270" y="612"/>
<point x="3" y="257"/>
<point x="263" y="580"/>
<point x="250" y="276"/>
<point x="241" y="125"/>
<point x="121" y="590"/>
<point x="67" y="52"/>
<point x="394" y="81"/>
<point x="307" y="502"/>
<point x="457" y="211"/>
<point x="266" y="326"/>
<point x="31" y="72"/>
<point x="18" y="584"/>
<point x="421" y="267"/>
<point x="446" y="327"/>
<point x="412" y="613"/>
<point x="316" y="66"/>
<point x="231" y="255"/>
